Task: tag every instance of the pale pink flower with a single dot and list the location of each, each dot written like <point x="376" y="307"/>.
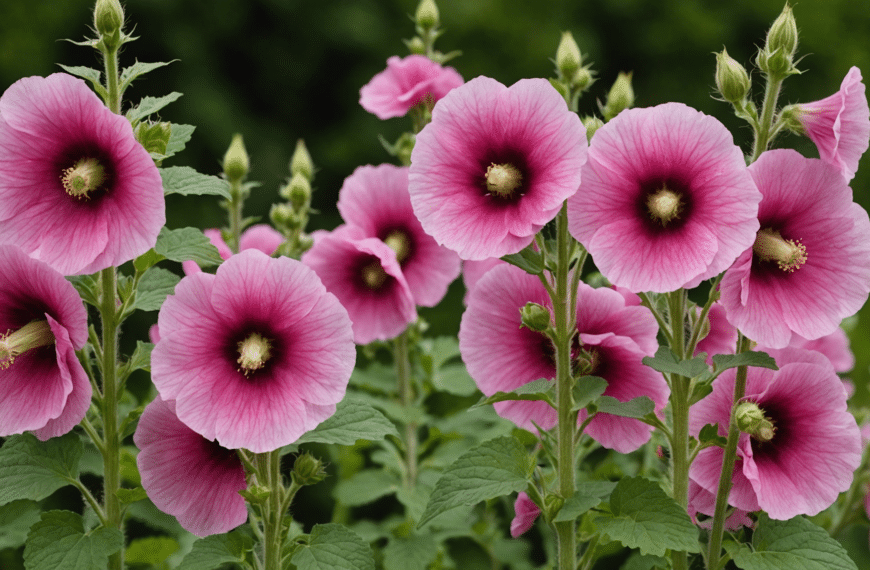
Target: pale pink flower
<point x="405" y="83"/>
<point x="77" y="190"/>
<point x="525" y="513"/>
<point x="666" y="201"/>
<point x="260" y="236"/>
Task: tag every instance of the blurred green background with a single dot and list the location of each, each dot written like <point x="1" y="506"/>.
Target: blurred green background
<point x="278" y="70"/>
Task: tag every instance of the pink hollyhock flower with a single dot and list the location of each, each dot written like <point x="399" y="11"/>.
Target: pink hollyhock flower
<point x="473" y="270"/>
<point x="666" y="201"/>
<point x="256" y="354"/>
<point x="805" y="459"/>
<point x="260" y="236"/>
<point x="501" y="356"/>
<point x="77" y="190"/>
<point x="525" y="513"/>
<point x="809" y="267"/>
<point x="405" y="83"/>
<point x="375" y="199"/>
<point x="704" y="502"/>
<point x="722" y="336"/>
<point x="188" y="476"/>
<point x="839" y="124"/>
<point x="43" y="322"/>
<point x="495" y="165"/>
<point x="365" y="275"/>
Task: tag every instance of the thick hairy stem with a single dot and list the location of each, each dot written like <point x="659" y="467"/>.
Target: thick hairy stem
<point x="111" y="436"/>
<point x="406" y="393"/>
<point x="680" y="414"/>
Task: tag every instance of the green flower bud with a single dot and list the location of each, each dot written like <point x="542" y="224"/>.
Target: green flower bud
<point x="751" y="419"/>
<point x="236" y="161"/>
<point x="298" y="191"/>
<point x="790" y="117"/>
<point x="301" y="163"/>
<point x="552" y="505"/>
<point x="536" y="317"/>
<point x="305" y="243"/>
<point x="783" y="34"/>
<point x="154" y="136"/>
<point x="732" y="81"/>
<point x="427" y="16"/>
<point x="592" y="124"/>
<point x="416" y="45"/>
<point x="582" y="79"/>
<point x="308" y="470"/>
<point x="568" y="58"/>
<point x="621" y="96"/>
<point x="108" y="19"/>
<point x="281" y="215"/>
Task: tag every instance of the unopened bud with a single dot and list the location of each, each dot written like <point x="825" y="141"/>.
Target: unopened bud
<point x="154" y="136"/>
<point x="732" y="81"/>
<point x="427" y="15"/>
<point x="236" y="161"/>
<point x="592" y="124"/>
<point x="751" y="420"/>
<point x="301" y="163"/>
<point x="536" y="317"/>
<point x="621" y="96"/>
<point x="281" y="215"/>
<point x="308" y="470"/>
<point x="416" y="46"/>
<point x="298" y="192"/>
<point x="568" y="58"/>
<point x="783" y="33"/>
<point x="108" y="19"/>
<point x="582" y="79"/>
<point x="552" y="505"/>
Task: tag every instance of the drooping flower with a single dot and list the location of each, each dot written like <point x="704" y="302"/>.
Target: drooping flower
<point x="501" y="356"/>
<point x="375" y="199"/>
<point x="77" y="190"/>
<point x="405" y="83"/>
<point x="809" y="267"/>
<point x="666" y="199"/>
<point x="495" y="165"/>
<point x="188" y="476"/>
<point x="260" y="236"/>
<point x="254" y="355"/>
<point x="365" y="275"/>
<point x="839" y="124"/>
<point x="43" y="322"/>
<point x="803" y="458"/>
<point x="525" y="514"/>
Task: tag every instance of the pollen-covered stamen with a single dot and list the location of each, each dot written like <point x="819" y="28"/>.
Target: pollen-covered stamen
<point x="397" y="240"/>
<point x="664" y="205"/>
<point x="254" y="352"/>
<point x="788" y="254"/>
<point x="32" y="335"/>
<point x="373" y="275"/>
<point x="750" y="419"/>
<point x="502" y="180"/>
<point x="85" y="177"/>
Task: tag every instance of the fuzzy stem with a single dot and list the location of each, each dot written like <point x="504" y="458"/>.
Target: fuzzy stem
<point x="763" y="132"/>
<point x="680" y="414"/>
<point x="273" y="537"/>
<point x="111" y="435"/>
<point x="406" y="393"/>
<point x="235" y="210"/>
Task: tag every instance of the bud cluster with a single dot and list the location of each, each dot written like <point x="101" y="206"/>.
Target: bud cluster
<point x="291" y="217"/>
<point x="776" y="58"/>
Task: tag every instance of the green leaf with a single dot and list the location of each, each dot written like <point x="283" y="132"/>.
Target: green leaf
<point x="178" y="137"/>
<point x="760" y="359"/>
<point x="541" y="389"/>
<point x="334" y="547"/>
<point x="496" y="467"/>
<point x="454" y="379"/>
<point x="186" y="181"/>
<point x="128" y="496"/>
<point x="644" y="517"/>
<point x="528" y="260"/>
<point x="92" y="75"/>
<point x="666" y="361"/>
<point x="588" y="494"/>
<point x="635" y="408"/>
<point x="59" y="542"/>
<point x="212" y="551"/>
<point x="352" y="420"/>
<point x="702" y="388"/>
<point x="791" y="545"/>
<point x="129" y="74"/>
<point x="32" y="469"/>
<point x="413" y="552"/>
<point x="149" y="105"/>
<point x="88" y="287"/>
<point x="376" y="377"/>
<point x="153" y="550"/>
<point x="147" y="260"/>
<point x="586" y="390"/>
<point x="366" y="487"/>
<point x="638" y="561"/>
<point x="710" y="435"/>
<point x="141" y="359"/>
<point x="153" y="288"/>
<point x="187" y="243"/>
<point x="16" y="518"/>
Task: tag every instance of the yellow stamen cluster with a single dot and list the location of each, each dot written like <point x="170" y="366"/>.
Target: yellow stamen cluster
<point x="398" y="241"/>
<point x="502" y="180"/>
<point x="788" y="254"/>
<point x="664" y="206"/>
<point x="254" y="352"/>
<point x="373" y="275"/>
<point x="32" y="335"/>
<point x="86" y="176"/>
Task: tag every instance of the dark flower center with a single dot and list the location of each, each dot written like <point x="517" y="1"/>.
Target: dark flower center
<point x="86" y="172"/>
<point x="254" y="348"/>
<point x="664" y="204"/>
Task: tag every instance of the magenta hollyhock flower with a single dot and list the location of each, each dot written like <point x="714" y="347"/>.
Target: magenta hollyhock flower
<point x="77" y="190"/>
<point x="501" y="356"/>
<point x="495" y="165"/>
<point x="43" y="322"/>
<point x="405" y="83"/>
<point x="704" y="502"/>
<point x="260" y="236"/>
<point x="839" y="124"/>
<point x="805" y="459"/>
<point x="809" y="267"/>
<point x="722" y="336"/>
<point x="188" y="476"/>
<point x="256" y="354"/>
<point x="473" y="270"/>
<point x="525" y="513"/>
<point x="666" y="201"/>
<point x="375" y="199"/>
<point x="365" y="275"/>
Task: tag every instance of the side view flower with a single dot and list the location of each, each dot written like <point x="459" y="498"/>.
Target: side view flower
<point x="407" y="82"/>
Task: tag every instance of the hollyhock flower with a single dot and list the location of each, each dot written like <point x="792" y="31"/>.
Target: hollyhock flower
<point x="809" y="266"/>
<point x="666" y="201"/>
<point x="501" y="356"/>
<point x="375" y="199"/>
<point x="805" y="455"/>
<point x="188" y="476"/>
<point x="77" y="190"/>
<point x="704" y="502"/>
<point x="260" y="236"/>
<point x="473" y="270"/>
<point x="495" y="165"/>
<point x="365" y="275"/>
<point x="256" y="354"/>
<point x="43" y="322"/>
<point x="407" y="82"/>
<point x="525" y="513"/>
<point x="722" y="336"/>
<point x="839" y="124"/>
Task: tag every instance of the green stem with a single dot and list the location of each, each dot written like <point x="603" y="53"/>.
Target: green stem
<point x="763" y="133"/>
<point x="588" y="558"/>
<point x="680" y="414"/>
<point x="696" y="333"/>
<point x="91" y="501"/>
<point x="728" y="460"/>
<point x="92" y="433"/>
<point x="235" y="211"/>
<point x="111" y="435"/>
<point x="406" y="393"/>
<point x="663" y="325"/>
<point x="113" y="102"/>
<point x="273" y="519"/>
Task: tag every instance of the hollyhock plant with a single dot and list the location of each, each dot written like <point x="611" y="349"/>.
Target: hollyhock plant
<point x="256" y="354"/>
<point x="495" y="165"/>
<point x="809" y="267"/>
<point x="45" y="389"/>
<point x="375" y="199"/>
<point x="407" y="82"/>
<point x="839" y="124"/>
<point x="773" y="472"/>
<point x="77" y="190"/>
<point x="501" y="356"/>
<point x="525" y="514"/>
<point x="188" y="476"/>
<point x="666" y="200"/>
<point x="365" y="275"/>
<point x="260" y="236"/>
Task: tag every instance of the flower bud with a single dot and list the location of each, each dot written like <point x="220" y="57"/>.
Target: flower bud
<point x="552" y="505"/>
<point x="298" y="192"/>
<point x="108" y="19"/>
<point x="751" y="419"/>
<point x="281" y="215"/>
<point x="732" y="81"/>
<point x="236" y="161"/>
<point x="592" y="124"/>
<point x="154" y="136"/>
<point x="416" y="45"/>
<point x="301" y="163"/>
<point x="536" y="317"/>
<point x="621" y="96"/>
<point x="568" y="58"/>
<point x="783" y="34"/>
<point x="427" y="15"/>
<point x="308" y="470"/>
<point x="581" y="79"/>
